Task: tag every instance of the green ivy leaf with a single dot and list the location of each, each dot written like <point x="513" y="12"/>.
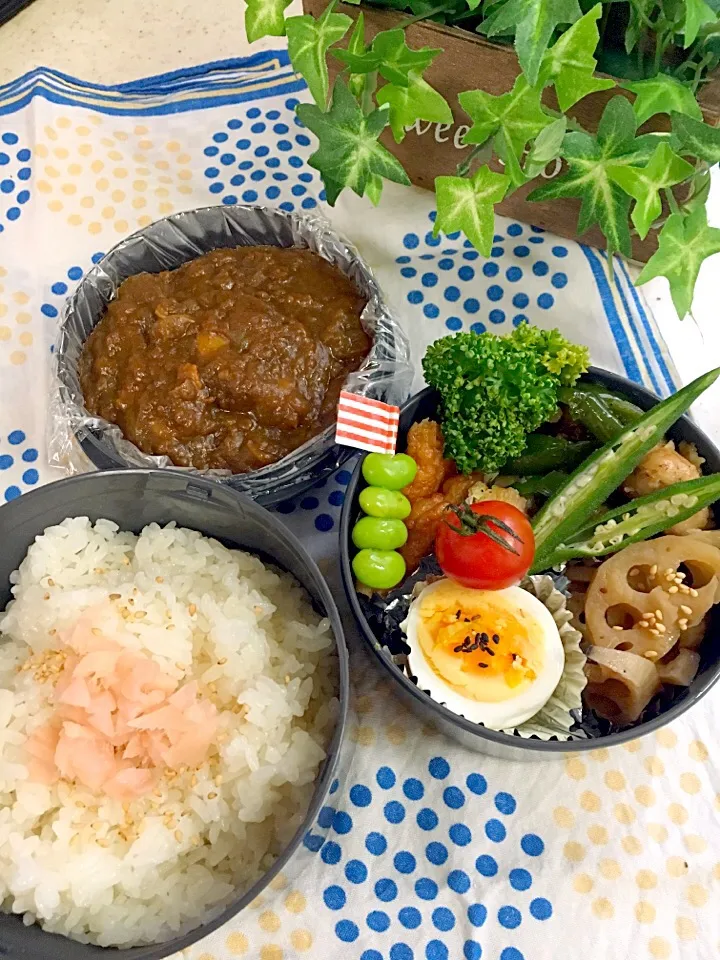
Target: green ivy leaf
<point x="590" y="160"/>
<point x="418" y="101"/>
<point x="570" y="63"/>
<point x="467" y="204"/>
<point x="518" y="114"/>
<point x="265" y="18"/>
<point x="308" y="42"/>
<point x="547" y="147"/>
<point x="695" y="138"/>
<point x="697" y="14"/>
<point x="511" y="163"/>
<point x="684" y="243"/>
<point x="644" y="184"/>
<point x="640" y="11"/>
<point x="397" y="60"/>
<point x="348" y="153"/>
<point x="373" y="190"/>
<point x="533" y="23"/>
<point x="662" y="94"/>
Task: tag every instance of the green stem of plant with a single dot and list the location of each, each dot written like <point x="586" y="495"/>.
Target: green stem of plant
<point x="368" y="103"/>
<point x="464" y="168"/>
<point x="671" y="201"/>
<point x="603" y="23"/>
<point x="659" y="51"/>
<point x="441" y="8"/>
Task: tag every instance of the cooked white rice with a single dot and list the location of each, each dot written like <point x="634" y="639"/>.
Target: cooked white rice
<point x="210" y="833"/>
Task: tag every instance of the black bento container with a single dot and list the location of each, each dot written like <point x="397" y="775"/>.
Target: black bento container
<point x="133" y="499"/>
<point x="167" y="244"/>
<point x="474" y="736"/>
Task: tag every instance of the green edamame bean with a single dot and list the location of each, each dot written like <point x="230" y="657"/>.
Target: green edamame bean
<point x="388" y="504"/>
<point x="379" y="569"/>
<point x="379" y="533"/>
<point x="392" y="471"/>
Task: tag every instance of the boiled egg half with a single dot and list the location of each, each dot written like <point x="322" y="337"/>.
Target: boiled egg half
<point x="493" y="656"/>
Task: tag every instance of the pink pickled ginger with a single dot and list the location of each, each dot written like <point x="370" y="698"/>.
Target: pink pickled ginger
<point x="118" y="720"/>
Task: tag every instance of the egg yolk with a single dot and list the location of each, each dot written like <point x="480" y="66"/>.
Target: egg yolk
<point x="478" y="643"/>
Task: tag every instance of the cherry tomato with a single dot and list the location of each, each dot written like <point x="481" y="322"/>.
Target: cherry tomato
<point x="388" y="470"/>
<point x="495" y="549"/>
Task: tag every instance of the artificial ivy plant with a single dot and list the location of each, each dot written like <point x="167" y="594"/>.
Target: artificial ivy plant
<point x="659" y="51"/>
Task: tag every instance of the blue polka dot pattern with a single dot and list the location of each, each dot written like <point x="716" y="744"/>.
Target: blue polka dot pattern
<point x="15" y="172"/>
<point x="16" y="476"/>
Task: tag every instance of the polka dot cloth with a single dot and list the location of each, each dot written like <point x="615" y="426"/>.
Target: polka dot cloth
<point x="15" y="176"/>
<point x="19" y="463"/>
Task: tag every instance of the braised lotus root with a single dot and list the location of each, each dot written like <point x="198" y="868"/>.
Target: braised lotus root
<point x="641" y="601"/>
<point x="620" y="684"/>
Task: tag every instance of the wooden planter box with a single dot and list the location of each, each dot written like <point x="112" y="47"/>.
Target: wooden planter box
<point x="470" y="62"/>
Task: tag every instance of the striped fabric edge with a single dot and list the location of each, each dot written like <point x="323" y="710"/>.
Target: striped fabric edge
<point x="366" y="424"/>
<point x="195" y="88"/>
<point x="643" y="352"/>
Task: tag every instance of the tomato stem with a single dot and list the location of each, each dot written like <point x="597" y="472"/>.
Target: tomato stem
<point x="472" y="523"/>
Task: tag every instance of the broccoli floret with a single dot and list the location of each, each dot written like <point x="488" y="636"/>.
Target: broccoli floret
<point x="495" y="390"/>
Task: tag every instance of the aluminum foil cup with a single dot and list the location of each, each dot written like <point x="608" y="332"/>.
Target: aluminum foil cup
<point x="472" y="735"/>
<point x="386" y="373"/>
<point x="133" y="499"/>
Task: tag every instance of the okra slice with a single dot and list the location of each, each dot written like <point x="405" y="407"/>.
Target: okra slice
<point x="638" y="520"/>
<point x="595" y="479"/>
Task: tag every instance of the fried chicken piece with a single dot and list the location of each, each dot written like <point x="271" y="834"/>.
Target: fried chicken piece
<point x="659" y="468"/>
<point x="425" y="445"/>
<point x="457" y="488"/>
<point x="422" y="524"/>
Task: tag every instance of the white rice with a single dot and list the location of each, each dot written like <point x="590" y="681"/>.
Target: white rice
<point x="62" y="860"/>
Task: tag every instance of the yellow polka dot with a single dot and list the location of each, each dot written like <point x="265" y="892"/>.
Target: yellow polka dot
<point x="120" y="135"/>
<point x="5" y="333"/>
<point x="646" y="879"/>
<point x="166" y="208"/>
<point x="87" y="202"/>
<point x="657" y="832"/>
<point x="75" y="219"/>
<point x="271" y="952"/>
<point x="685" y="928"/>
<point x="645" y="795"/>
<point x="301" y="939"/>
<point x="583" y="883"/>
<point x="624" y="813"/>
<point x="121" y="226"/>
<point x="610" y="869"/>
<point x="677" y="813"/>
<point x="206" y="956"/>
<point x="395" y="733"/>
<point x="698" y="751"/>
<point x="597" y="834"/>
<point x="633" y="746"/>
<point x="120" y="172"/>
<point x="103" y="183"/>
<point x="173" y="146"/>
<point x="139" y="185"/>
<point x="63" y="122"/>
<point x="590" y="801"/>
<point x="95" y="227"/>
<point x="258" y="902"/>
<point x="574" y="851"/>
<point x="74" y="169"/>
<point x="139" y="158"/>
<point x="139" y="202"/>
<point x="644" y="912"/>
<point x="25" y="339"/>
<point x="96" y="166"/>
<point x="52" y="171"/>
<point x="602" y="755"/>
<point x="117" y="196"/>
<point x="666" y="738"/>
<point x="85" y="149"/>
<point x="659" y="948"/>
<point x="183" y="158"/>
<point x="20" y="297"/>
<point x="614" y="780"/>
<point x="162" y="165"/>
<point x="162" y="192"/>
<point x="23" y="317"/>
<point x="3" y="309"/>
<point x="676" y="866"/>
<point x="50" y="133"/>
<point x="61" y="153"/>
<point x="44" y="186"/>
<point x="697" y="895"/>
<point x="69" y="188"/>
<point x="145" y="144"/>
<point x="142" y="172"/>
<point x="269" y="921"/>
<point x="17" y="358"/>
<point x="632" y="846"/>
<point x="41" y="151"/>
<point x="563" y="817"/>
<point x="575" y="768"/>
<point x="184" y="175"/>
<point x="55" y="206"/>
<point x="654" y="766"/>
<point x="603" y="908"/>
<point x="295" y="902"/>
<point x="143" y="221"/>
<point x="695" y="843"/>
<point x="114" y="155"/>
<point x="364" y="705"/>
<point x="690" y="783"/>
<point x="82" y="131"/>
<point x="107" y="142"/>
<point x="140" y="130"/>
<point x="237" y="943"/>
<point x="184" y="189"/>
<point x="279" y="882"/>
<point x="3" y="272"/>
<point x="94" y="118"/>
<point x="108" y="212"/>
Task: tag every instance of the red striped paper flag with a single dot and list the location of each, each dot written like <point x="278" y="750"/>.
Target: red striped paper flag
<point x="366" y="424"/>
